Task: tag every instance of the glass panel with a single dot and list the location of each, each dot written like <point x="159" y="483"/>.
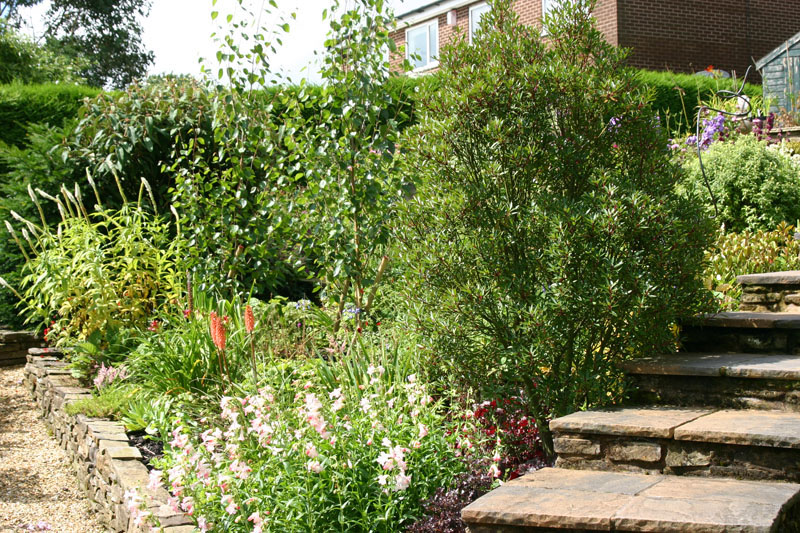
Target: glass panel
<point x="418" y="45"/>
<point x="433" y="34"/>
<point x="475" y="16"/>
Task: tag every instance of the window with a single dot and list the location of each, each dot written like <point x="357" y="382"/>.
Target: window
<point x="475" y="15"/>
<point x="548" y="6"/>
<point x="422" y="45"/>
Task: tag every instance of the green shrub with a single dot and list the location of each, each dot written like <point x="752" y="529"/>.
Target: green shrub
<point x="22" y="105"/>
<point x="548" y="238"/>
<point x="748" y="252"/>
<point x="755" y="187"/>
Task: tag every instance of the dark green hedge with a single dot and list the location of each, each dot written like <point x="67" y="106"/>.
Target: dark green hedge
<point x="21" y="105"/>
<point x="678" y="95"/>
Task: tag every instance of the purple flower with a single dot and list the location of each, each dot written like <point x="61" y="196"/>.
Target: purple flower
<point x="613" y="124"/>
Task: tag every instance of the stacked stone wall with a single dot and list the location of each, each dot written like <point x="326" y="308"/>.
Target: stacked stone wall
<point x="106" y="465"/>
<point x="14" y="346"/>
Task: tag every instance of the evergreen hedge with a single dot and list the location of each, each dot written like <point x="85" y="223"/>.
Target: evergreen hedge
<point x="21" y="105"/>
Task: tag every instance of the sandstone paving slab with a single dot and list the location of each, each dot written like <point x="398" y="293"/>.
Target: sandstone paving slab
<point x="787" y="277"/>
<point x="747" y="319"/>
<point x="740" y="365"/>
<point x="587" y="480"/>
<point x="656" y="422"/>
<point x="698" y="516"/>
<point x="780" y="429"/>
<point x="687" y="364"/>
<point x="723" y="489"/>
<point x="784" y="367"/>
<point x="592" y="500"/>
<point x="520" y="505"/>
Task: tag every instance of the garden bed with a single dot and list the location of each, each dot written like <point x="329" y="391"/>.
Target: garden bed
<point x="109" y="469"/>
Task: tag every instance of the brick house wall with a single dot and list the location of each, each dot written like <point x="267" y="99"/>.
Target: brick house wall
<point x="529" y="11"/>
<point x="677" y="35"/>
<point x="689" y="35"/>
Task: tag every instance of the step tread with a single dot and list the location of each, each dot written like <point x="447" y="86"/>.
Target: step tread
<point x="739" y="365"/>
<point x="749" y="427"/>
<point x="578" y="499"/>
<point x="779" y="429"/>
<point x="748" y="319"/>
<point x="788" y="277"/>
<point x="657" y="422"/>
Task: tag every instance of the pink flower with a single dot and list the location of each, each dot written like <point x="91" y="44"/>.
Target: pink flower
<point x="255" y="518"/>
<point x="494" y="471"/>
<point x="338" y="404"/>
<point x="311" y="451"/>
<point x="401" y="482"/>
<point x="155" y="480"/>
<point x="203" y="525"/>
<point x="314" y="466"/>
<point x="423" y="431"/>
<point x="188" y="505"/>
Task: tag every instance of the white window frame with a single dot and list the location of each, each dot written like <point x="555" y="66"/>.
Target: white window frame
<point x="432" y="63"/>
<point x="475" y="8"/>
<point x="547" y="6"/>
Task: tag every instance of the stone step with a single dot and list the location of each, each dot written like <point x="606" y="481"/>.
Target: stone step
<point x="554" y="499"/>
<point x="773" y="292"/>
<point x="753" y="381"/>
<point x="751" y="444"/>
<point x="743" y="332"/>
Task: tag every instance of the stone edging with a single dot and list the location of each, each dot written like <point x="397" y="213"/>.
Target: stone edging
<point x="107" y="466"/>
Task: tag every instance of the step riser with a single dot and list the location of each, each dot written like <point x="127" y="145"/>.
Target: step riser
<point x="666" y="456"/>
<point x="729" y="392"/>
<point x="771" y="298"/>
<point x="740" y="340"/>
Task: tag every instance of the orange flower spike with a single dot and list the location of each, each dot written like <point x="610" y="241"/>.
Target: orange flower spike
<point x="214" y="321"/>
<point x="249" y="319"/>
<point x="222" y="336"/>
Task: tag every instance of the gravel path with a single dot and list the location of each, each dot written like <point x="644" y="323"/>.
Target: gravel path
<point x="38" y="489"/>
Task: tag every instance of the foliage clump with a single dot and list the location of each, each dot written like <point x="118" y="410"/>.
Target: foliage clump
<point x="755" y="187"/>
<point x="549" y="238"/>
<point x="748" y="252"/>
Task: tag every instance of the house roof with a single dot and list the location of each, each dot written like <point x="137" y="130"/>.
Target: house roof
<point x="430" y="10"/>
<point x="776" y="53"/>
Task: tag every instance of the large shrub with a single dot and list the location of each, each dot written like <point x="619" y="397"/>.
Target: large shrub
<point x="754" y="186"/>
<point x="549" y="238"/>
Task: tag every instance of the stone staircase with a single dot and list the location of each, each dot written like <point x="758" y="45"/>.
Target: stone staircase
<point x="710" y="444"/>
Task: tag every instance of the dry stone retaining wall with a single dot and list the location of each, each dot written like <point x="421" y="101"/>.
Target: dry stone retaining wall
<point x="14" y="346"/>
<point x="107" y="466"/>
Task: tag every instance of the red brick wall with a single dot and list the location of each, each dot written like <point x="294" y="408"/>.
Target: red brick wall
<point x="530" y="12"/>
<point x="689" y="35"/>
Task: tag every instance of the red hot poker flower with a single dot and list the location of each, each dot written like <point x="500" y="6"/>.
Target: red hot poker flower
<point x="249" y="319"/>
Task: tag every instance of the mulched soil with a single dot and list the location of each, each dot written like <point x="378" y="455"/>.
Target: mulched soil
<point x="38" y="488"/>
<point x="150" y="449"/>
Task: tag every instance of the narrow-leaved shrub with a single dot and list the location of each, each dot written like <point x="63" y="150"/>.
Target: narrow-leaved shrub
<point x="548" y="238"/>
